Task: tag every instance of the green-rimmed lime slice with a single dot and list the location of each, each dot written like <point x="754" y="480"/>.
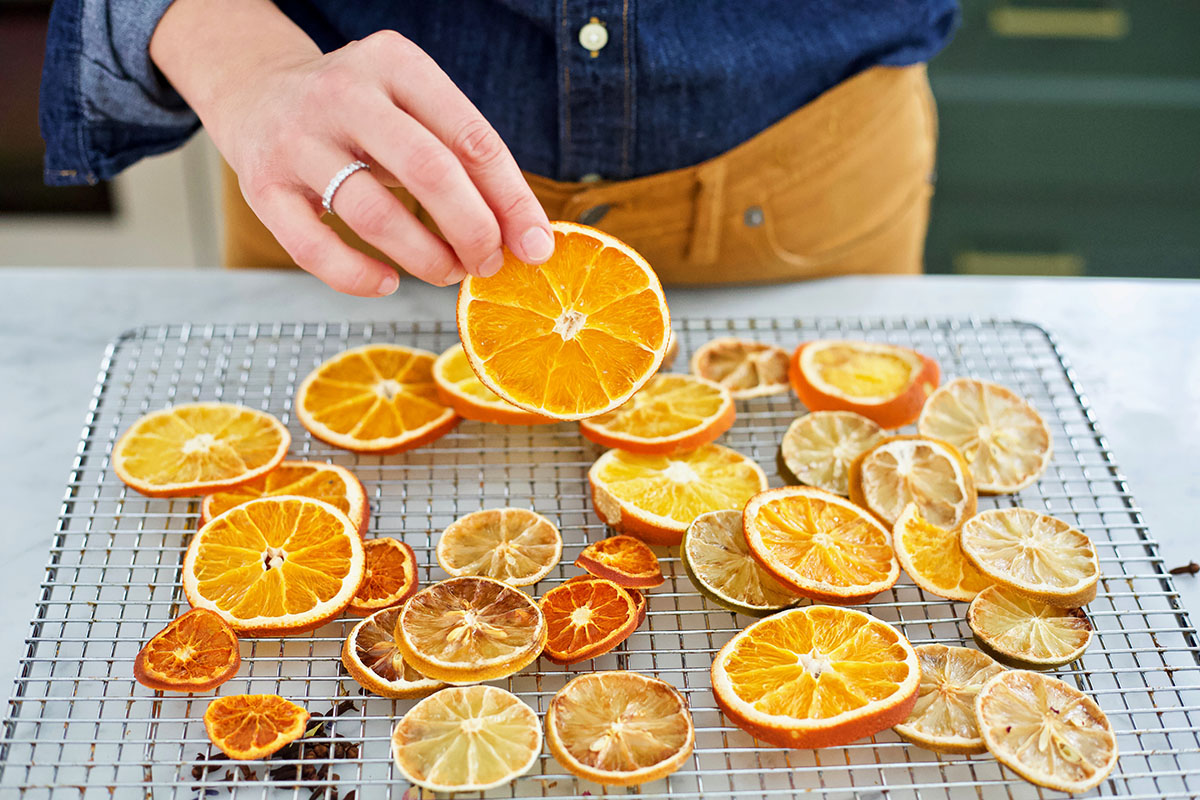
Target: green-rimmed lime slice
<point x="716" y="558"/>
<point x="1027" y="633"/>
<point x="818" y="448"/>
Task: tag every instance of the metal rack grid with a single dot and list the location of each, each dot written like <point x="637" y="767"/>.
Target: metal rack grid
<point x="79" y="726"/>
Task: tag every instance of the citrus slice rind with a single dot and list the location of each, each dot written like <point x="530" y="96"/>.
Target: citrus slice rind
<point x="721" y="567"/>
<point x="573" y="337"/>
<point x="1046" y="731"/>
<point x="933" y="557"/>
<point x="247" y="727"/>
<point x="466" y="739"/>
<point x="327" y="482"/>
<point x="1033" y="554"/>
<point x="196" y="448"/>
<point x="1026" y="633"/>
<point x="389" y="576"/>
<point x="459" y="388"/>
<point x="820" y="545"/>
<point x="672" y="351"/>
<point x="372" y="658"/>
<point x="586" y="619"/>
<point x="669" y="414"/>
<point x="1002" y="437"/>
<point x="745" y="367"/>
<point x="816" y="676"/>
<point x="624" y="560"/>
<point x="819" y="447"/>
<point x="196" y="652"/>
<point x="914" y="469"/>
<point x="943" y="719"/>
<point x="514" y="545"/>
<point x="619" y="728"/>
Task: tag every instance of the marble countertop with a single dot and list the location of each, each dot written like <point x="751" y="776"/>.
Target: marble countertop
<point x="1135" y="346"/>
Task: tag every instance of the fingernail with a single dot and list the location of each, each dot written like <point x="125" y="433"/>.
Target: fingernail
<point x="490" y="267"/>
<point x="537" y="244"/>
<point x="388" y="285"/>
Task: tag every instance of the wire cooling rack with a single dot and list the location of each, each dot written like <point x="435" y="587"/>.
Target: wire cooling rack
<point x="80" y="727"/>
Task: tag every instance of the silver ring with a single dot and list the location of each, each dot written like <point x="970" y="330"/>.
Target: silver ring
<point x="338" y="180"/>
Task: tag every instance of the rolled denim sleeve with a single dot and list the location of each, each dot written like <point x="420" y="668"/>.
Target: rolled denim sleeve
<point x="103" y="103"/>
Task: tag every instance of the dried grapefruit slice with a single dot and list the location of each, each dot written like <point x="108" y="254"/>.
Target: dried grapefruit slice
<point x="378" y="398"/>
<point x="248" y="727"/>
<point x="670" y="413"/>
<point x="816" y="676"/>
<point x="514" y="545"/>
<point x="820" y="545"/>
<point x="619" y="728"/>
<point x="912" y="469"/>
<point x="197" y="448"/>
<point x="459" y="388"/>
<point x="573" y="337"/>
<point x="372" y="658"/>
<point x="1027" y="633"/>
<point x="624" y="560"/>
<point x="328" y="482"/>
<point x="389" y="576"/>
<point x="586" y="619"/>
<point x="943" y="720"/>
<point x="746" y="368"/>
<point x="721" y="567"/>
<point x="934" y="558"/>
<point x="656" y="497"/>
<point x="197" y="652"/>
<point x="819" y="447"/>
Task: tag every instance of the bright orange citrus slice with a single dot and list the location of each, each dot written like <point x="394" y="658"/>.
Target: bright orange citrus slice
<point x="943" y="720"/>
<point x="586" y="619"/>
<point x="573" y="337"/>
<point x="328" y="482"/>
<point x="639" y="597"/>
<point x="378" y="398"/>
<point x="197" y="448"/>
<point x="624" y="560"/>
<point x="248" y="727"/>
<point x="669" y="414"/>
<point x="197" y="652"/>
<point x="816" y="676"/>
<point x="746" y="368"/>
<point x="372" y="658"/>
<point x="275" y="566"/>
<point x="514" y="545"/>
<point x="934" y="558"/>
<point x="459" y="388"/>
<point x="389" y="576"/>
<point x="819" y="447"/>
<point x="912" y="469"/>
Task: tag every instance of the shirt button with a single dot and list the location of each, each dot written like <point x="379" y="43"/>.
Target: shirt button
<point x="593" y="36"/>
<point x="591" y="177"/>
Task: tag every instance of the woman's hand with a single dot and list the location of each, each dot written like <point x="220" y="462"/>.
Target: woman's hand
<point x="287" y="118"/>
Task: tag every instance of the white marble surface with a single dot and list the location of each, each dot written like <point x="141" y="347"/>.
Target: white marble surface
<point x="1135" y="346"/>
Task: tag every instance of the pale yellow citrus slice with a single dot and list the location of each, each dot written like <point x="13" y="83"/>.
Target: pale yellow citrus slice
<point x="747" y="368"/>
<point x="721" y="567"/>
<point x="1027" y="633"/>
<point x="912" y="469"/>
<point x="372" y="658"/>
<point x="328" y="482"/>
<point x="669" y="414"/>
<point x="934" y="558"/>
<point x="514" y="545"/>
<point x="459" y="388"/>
<point x="819" y="447"/>
<point x="943" y="719"/>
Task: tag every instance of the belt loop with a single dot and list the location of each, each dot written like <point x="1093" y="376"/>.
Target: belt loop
<point x="704" y="244"/>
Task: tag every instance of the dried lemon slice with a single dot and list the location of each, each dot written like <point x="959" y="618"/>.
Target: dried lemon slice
<point x="912" y="469"/>
<point x="1027" y="633"/>
<point x="372" y="658"/>
<point x="943" y="720"/>
<point x="818" y="448"/>
<point x="514" y="545"/>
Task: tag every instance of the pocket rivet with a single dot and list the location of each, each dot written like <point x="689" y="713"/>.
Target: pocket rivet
<point x="753" y="216"/>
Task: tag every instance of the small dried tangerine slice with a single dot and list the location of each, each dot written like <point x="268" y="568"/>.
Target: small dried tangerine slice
<point x="247" y="727"/>
<point x="372" y="658"/>
<point x="746" y="368"/>
<point x="327" y="482"/>
<point x="514" y="545"/>
<point x="943" y="720"/>
<point x="586" y="619"/>
<point x="389" y="576"/>
<point x="1027" y="633"/>
<point x="639" y="597"/>
<point x="624" y="560"/>
<point x="670" y="413"/>
<point x="934" y="558"/>
<point x="197" y="652"/>
<point x="459" y="388"/>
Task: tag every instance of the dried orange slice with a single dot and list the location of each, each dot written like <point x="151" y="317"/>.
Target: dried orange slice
<point x="820" y="545"/>
<point x="624" y="560"/>
<point x="467" y="630"/>
<point x="573" y="337"/>
<point x="328" y="482"/>
<point x="639" y="598"/>
<point x="721" y="567"/>
<point x="247" y="727"/>
<point x="819" y="447"/>
<point x="459" y="388"/>
<point x="655" y="498"/>
<point x="389" y="576"/>
<point x="514" y="545"/>
<point x="912" y="469"/>
<point x="1027" y="633"/>
<point x="746" y="368"/>
<point x="586" y="619"/>
<point x="275" y="566"/>
<point x="372" y="658"/>
<point x="1033" y="554"/>
<point x="378" y="398"/>
<point x="670" y="413"/>
<point x="619" y="728"/>
<point x="934" y="558"/>
<point x="816" y="676"/>
<point x="466" y="739"/>
<point x="197" y="448"/>
<point x="883" y="382"/>
<point x="1046" y="731"/>
<point x="197" y="652"/>
<point x="943" y="720"/>
<point x="1003" y="439"/>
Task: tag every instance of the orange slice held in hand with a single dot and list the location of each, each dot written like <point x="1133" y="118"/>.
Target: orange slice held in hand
<point x="459" y="388"/>
<point x="389" y="576"/>
<point x="573" y="337"/>
<point x="372" y="658"/>
<point x="197" y="652"/>
<point x="378" y="398"/>
<point x="328" y="482"/>
<point x="624" y="560"/>
<point x="669" y="414"/>
<point x="586" y="619"/>
<point x="247" y="727"/>
<point x="746" y="368"/>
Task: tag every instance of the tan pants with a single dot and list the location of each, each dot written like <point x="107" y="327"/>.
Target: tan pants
<point x="840" y="186"/>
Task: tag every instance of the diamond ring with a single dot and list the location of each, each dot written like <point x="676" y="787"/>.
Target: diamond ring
<point x="338" y="180"/>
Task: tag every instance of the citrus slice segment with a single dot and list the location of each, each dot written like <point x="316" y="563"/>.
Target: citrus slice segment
<point x="372" y="658"/>
<point x="1034" y="555"/>
<point x="819" y="447"/>
<point x="247" y="727"/>
<point x="466" y="739"/>
<point x="912" y="469"/>
<point x="619" y="728"/>
<point x="1046" y="731"/>
<point x="328" y="482"/>
<point x="670" y="413"/>
<point x="746" y="368"/>
<point x="378" y="398"/>
<point x="820" y="545"/>
<point x="624" y="560"/>
<point x="197" y="448"/>
<point x="934" y="558"/>
<point x="275" y="566"/>
<point x="1027" y="633"/>
<point x="514" y="545"/>
<point x="586" y="619"/>
<point x="197" y="652"/>
<point x="816" y="676"/>
<point x="656" y="497"/>
<point x="573" y="337"/>
<point x="639" y="597"/>
<point x="389" y="576"/>
<point x="943" y="720"/>
<point x="459" y="388"/>
<point x="467" y="630"/>
<point x="1003" y="439"/>
<point x="721" y="567"/>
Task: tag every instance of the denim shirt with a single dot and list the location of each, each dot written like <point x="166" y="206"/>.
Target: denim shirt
<point x="676" y="81"/>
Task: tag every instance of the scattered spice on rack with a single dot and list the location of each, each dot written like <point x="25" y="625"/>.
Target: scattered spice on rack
<point x="1190" y="568"/>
